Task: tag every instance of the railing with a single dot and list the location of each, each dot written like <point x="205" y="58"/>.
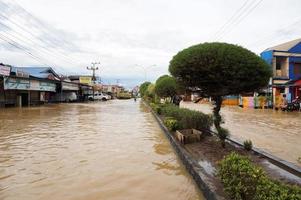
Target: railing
<point x="281" y="74"/>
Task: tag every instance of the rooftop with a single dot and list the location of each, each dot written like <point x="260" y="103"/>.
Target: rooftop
<point x="285" y="46"/>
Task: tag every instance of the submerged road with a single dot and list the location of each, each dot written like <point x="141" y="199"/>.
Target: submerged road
<point x="276" y="132"/>
<point x="102" y="150"/>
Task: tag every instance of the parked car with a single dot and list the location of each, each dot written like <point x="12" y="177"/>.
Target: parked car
<point x="99" y="96"/>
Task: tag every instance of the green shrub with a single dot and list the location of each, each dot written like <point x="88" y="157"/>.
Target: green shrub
<point x="248" y="145"/>
<point x="243" y="180"/>
<point x="156" y="108"/>
<point x="172" y="124"/>
<point x="187" y="118"/>
<point x="273" y="190"/>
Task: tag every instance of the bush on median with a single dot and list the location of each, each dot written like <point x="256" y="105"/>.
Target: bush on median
<point x="172" y="124"/>
<point x="156" y="108"/>
<point x="243" y="180"/>
<point x="187" y="118"/>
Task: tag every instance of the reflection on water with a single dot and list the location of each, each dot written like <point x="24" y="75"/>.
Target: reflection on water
<point x="105" y="150"/>
<point x="276" y="132"/>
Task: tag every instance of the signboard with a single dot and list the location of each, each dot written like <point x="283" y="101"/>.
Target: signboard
<point x="85" y="79"/>
<point x="25" y="84"/>
<point x="42" y="86"/>
<point x="16" y="84"/>
<point x="70" y="86"/>
<point x="4" y="70"/>
<point x="46" y="86"/>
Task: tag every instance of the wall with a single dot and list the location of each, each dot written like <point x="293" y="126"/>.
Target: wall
<point x="296" y="48"/>
<point x="292" y="62"/>
<point x="267" y="56"/>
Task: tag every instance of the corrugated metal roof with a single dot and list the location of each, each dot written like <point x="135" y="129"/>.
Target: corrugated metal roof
<point x="285" y="46"/>
<point x="38" y="72"/>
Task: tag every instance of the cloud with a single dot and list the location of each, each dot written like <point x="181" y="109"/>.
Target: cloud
<point x="121" y="34"/>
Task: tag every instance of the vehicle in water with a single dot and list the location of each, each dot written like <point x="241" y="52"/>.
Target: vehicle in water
<point x="99" y="96"/>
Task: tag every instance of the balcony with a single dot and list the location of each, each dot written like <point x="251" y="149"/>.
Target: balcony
<point x="281" y="74"/>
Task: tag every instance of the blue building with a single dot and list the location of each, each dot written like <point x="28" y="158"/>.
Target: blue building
<point x="285" y="61"/>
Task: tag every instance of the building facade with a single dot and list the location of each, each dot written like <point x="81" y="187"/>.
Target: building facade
<point x="285" y="61"/>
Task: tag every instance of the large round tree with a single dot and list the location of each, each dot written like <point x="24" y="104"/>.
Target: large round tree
<point x="166" y="86"/>
<point x="220" y="69"/>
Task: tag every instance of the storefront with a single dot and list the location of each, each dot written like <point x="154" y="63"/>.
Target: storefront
<point x="84" y="92"/>
<point x="4" y="72"/>
<point x="69" y="92"/>
<point x="25" y="91"/>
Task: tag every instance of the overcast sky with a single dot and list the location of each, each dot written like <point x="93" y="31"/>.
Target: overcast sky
<point x="125" y="35"/>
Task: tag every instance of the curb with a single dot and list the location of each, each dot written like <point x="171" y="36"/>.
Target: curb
<point x="194" y="169"/>
<point x="285" y="165"/>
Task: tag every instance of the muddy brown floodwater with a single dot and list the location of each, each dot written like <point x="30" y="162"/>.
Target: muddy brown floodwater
<point x="105" y="150"/>
<point x="276" y="132"/>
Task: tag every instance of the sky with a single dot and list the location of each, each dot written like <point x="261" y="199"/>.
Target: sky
<point x="134" y="40"/>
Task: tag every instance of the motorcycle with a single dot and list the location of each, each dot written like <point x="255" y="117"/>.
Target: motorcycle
<point x="294" y="106"/>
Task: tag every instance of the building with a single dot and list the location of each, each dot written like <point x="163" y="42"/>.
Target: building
<point x="112" y="90"/>
<point x="28" y="86"/>
<point x="86" y="85"/>
<point x="4" y="73"/>
<point x="285" y="60"/>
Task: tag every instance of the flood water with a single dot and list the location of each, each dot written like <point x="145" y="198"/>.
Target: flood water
<point x="276" y="132"/>
<point x="104" y="150"/>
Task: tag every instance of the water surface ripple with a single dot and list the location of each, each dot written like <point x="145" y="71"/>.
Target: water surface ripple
<point x="104" y="150"/>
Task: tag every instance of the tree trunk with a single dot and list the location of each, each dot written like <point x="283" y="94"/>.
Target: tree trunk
<point x="217" y="119"/>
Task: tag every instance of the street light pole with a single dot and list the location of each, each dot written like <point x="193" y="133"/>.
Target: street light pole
<point x="93" y="68"/>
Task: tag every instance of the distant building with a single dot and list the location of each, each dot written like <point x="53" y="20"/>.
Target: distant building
<point x="285" y="61"/>
<point x="113" y="90"/>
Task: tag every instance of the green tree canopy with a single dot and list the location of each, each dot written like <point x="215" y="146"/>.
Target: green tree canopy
<point x="143" y="88"/>
<point x="150" y="91"/>
<point x="220" y="69"/>
<point x="166" y="86"/>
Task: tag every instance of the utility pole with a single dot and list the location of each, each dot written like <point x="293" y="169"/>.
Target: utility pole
<point x="93" y="68"/>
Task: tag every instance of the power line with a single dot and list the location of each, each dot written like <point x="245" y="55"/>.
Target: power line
<point x="42" y="28"/>
<point x="18" y="46"/>
<point x="269" y="36"/>
<point x="240" y="18"/>
<point x="45" y="50"/>
<point x="231" y="19"/>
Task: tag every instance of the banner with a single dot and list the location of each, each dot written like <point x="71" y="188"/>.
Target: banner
<point x="5" y="70"/>
<point x="85" y="80"/>
<point x="70" y="86"/>
<point x="46" y="86"/>
<point x="16" y="84"/>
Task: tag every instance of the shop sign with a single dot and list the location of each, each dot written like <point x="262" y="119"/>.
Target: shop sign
<point x="5" y="70"/>
<point x="85" y="79"/>
<point x="46" y="86"/>
<point x="70" y="86"/>
<point x="42" y="86"/>
<point x="16" y="84"/>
